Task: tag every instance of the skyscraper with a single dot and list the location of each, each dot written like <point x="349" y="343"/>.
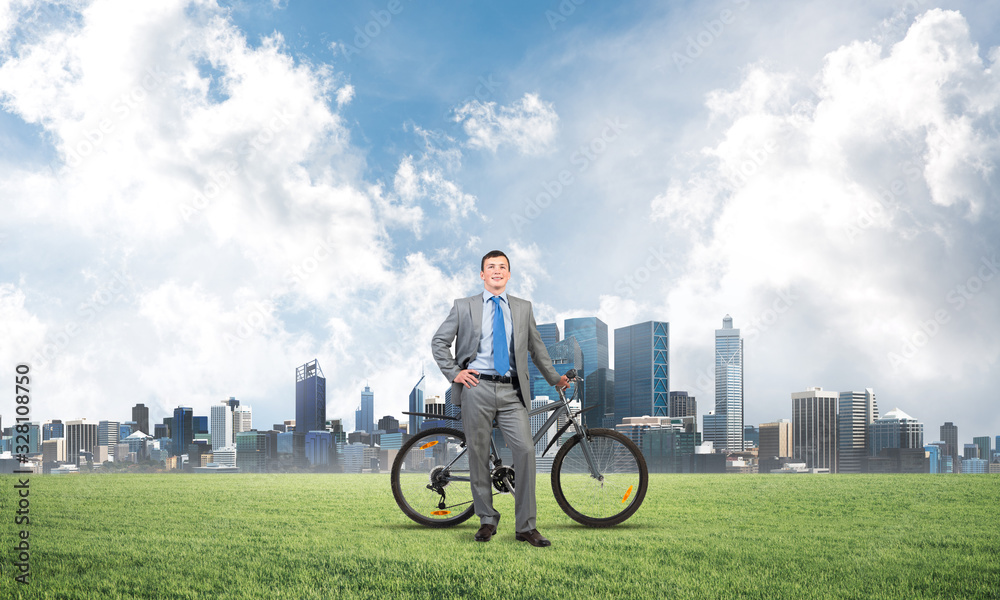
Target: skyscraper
<point x="984" y="446"/>
<point x="565" y="355"/>
<point x="53" y="430"/>
<point x="416" y="405"/>
<point x="81" y="436"/>
<point x="182" y="430"/>
<point x="682" y="405"/>
<point x="549" y="333"/>
<point x="642" y="370"/>
<point x="222" y="426"/>
<point x="536" y="423"/>
<point x="814" y="428"/>
<point x="729" y="385"/>
<point x="364" y="416"/>
<point x="310" y="397"/>
<point x="775" y="444"/>
<point x="592" y="335"/>
<point x="242" y="419"/>
<point x="856" y="411"/>
<point x="895" y="429"/>
<point x="599" y="399"/>
<point x="949" y="435"/>
<point x="107" y="435"/>
<point x="140" y="414"/>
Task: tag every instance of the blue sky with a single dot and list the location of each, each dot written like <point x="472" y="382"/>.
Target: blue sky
<point x="201" y="196"/>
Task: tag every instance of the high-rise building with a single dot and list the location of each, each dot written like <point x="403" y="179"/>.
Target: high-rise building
<point x="200" y="425"/>
<point x="364" y="416"/>
<point x="416" y="404"/>
<point x="751" y="437"/>
<point x="310" y="397"/>
<point x="222" y="426"/>
<point x="642" y="370"/>
<point x="592" y="335"/>
<point x="54" y="450"/>
<point x="107" y="435"/>
<point x="682" y="405"/>
<point x="984" y="446"/>
<point x="53" y="430"/>
<point x="970" y="451"/>
<point x="939" y="461"/>
<point x="389" y="424"/>
<point x="549" y="333"/>
<point x="537" y="421"/>
<point x="599" y="399"/>
<point x="895" y="429"/>
<point x="814" y="428"/>
<point x="856" y="411"/>
<point x="949" y="435"/>
<point x="775" y="444"/>
<point x="140" y="414"/>
<point x="729" y="385"/>
<point x="81" y="436"/>
<point x="713" y="427"/>
<point x="319" y="448"/>
<point x="451" y="410"/>
<point x="251" y="451"/>
<point x="242" y="419"/>
<point x="565" y="355"/>
<point x="182" y="429"/>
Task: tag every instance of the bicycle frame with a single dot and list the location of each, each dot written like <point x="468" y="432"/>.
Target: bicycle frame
<point x="558" y="408"/>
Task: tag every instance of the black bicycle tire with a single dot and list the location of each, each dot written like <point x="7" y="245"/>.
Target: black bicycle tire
<point x="397" y="492"/>
<point x="576" y="515"/>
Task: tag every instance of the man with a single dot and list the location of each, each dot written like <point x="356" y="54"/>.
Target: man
<point x="489" y="375"/>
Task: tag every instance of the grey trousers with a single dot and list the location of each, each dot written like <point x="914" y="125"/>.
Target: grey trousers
<point x="479" y="405"/>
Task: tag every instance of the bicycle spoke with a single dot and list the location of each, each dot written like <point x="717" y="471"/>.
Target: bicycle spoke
<point x="430" y="478"/>
<point x="606" y="500"/>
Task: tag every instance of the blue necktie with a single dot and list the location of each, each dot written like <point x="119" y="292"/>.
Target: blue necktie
<point x="501" y="356"/>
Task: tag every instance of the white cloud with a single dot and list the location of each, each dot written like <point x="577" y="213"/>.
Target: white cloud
<point x="529" y="124"/>
<point x="836" y="215"/>
<point x="219" y="175"/>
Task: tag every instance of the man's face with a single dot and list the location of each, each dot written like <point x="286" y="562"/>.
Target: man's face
<point x="495" y="275"/>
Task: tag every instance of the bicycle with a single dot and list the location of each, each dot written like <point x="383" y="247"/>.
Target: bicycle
<point x="599" y="476"/>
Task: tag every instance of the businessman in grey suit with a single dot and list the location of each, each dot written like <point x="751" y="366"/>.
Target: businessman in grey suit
<point x="493" y="334"/>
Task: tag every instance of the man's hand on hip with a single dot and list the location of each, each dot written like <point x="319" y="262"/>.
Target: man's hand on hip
<point x="469" y="377"/>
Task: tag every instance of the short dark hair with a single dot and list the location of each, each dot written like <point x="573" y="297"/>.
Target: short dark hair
<point x="493" y="254"/>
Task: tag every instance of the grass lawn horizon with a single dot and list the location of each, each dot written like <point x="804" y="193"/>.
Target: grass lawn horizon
<point x="333" y="536"/>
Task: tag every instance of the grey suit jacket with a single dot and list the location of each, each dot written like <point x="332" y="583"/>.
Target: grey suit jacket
<point x="464" y="327"/>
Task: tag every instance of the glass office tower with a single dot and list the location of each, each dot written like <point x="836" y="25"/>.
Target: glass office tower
<point x="729" y="385"/>
<point x="310" y="397"/>
<point x="364" y="416"/>
<point x="182" y="430"/>
<point x="416" y="405"/>
<point x="642" y="370"/>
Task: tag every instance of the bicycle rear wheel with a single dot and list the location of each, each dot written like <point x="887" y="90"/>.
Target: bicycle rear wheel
<point x="430" y="478"/>
<point x="612" y="498"/>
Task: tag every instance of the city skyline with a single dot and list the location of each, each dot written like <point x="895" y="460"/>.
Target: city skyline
<point x="202" y="196"/>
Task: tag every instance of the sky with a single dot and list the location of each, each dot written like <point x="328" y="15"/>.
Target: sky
<point x="200" y="196"/>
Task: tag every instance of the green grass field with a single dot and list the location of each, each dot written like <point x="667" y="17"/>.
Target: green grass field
<point x="341" y="536"/>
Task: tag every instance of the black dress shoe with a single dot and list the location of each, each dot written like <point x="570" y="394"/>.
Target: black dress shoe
<point x="534" y="538"/>
<point x="485" y="532"/>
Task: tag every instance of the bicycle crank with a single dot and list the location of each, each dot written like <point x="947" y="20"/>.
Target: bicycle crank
<point x="503" y="479"/>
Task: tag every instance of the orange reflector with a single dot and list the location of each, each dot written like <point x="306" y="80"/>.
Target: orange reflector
<point x="628" y="493"/>
<point x="440" y="513"/>
<point x="428" y="445"/>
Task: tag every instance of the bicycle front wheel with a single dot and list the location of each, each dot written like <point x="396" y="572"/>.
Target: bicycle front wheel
<point x="430" y="478"/>
<point x="613" y="496"/>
